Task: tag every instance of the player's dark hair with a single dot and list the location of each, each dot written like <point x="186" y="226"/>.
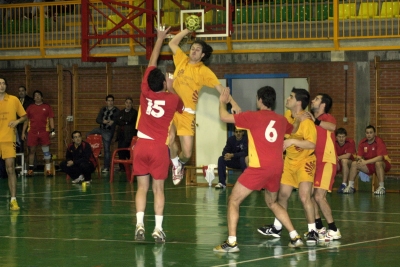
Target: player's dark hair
<point x="74" y="132"/>
<point x="341" y="131"/>
<point x="21" y="86"/>
<point x="206" y="49"/>
<point x="370" y="127"/>
<point x="268" y="96"/>
<point x="156" y="80"/>
<point x="4" y="80"/>
<point x="302" y="95"/>
<point x="327" y="100"/>
<point x="110" y="96"/>
<point x="37" y="92"/>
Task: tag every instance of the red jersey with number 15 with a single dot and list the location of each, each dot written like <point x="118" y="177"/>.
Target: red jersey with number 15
<point x="266" y="131"/>
<point x="156" y="111"/>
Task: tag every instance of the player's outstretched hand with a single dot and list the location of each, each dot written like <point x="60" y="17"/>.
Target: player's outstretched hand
<point x="162" y="32"/>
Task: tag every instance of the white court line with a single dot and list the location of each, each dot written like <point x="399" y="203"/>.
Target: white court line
<point x="316" y="250"/>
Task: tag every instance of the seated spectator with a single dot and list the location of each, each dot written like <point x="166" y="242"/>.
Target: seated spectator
<point x="126" y="121"/>
<point x="106" y="119"/>
<point x="372" y="157"/>
<point x="345" y="148"/>
<point x="233" y="156"/>
<point x="79" y="160"/>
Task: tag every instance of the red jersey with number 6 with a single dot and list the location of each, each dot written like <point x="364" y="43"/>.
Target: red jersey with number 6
<point x="156" y="111"/>
<point x="266" y="131"/>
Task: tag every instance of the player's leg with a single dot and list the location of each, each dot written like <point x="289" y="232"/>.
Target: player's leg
<point x="31" y="159"/>
<point x="380" y="174"/>
<point x="239" y="193"/>
<point x="173" y="146"/>
<point x="275" y="228"/>
<point x="8" y="153"/>
<point x="159" y="202"/>
<point x="305" y="189"/>
<point x="344" y="166"/>
<point x="143" y="182"/>
<point x="354" y="169"/>
<point x="320" y="197"/>
<point x="271" y="199"/>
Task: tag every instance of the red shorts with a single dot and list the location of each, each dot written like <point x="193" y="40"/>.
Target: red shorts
<point x="36" y="138"/>
<point x="324" y="175"/>
<point x="372" y="170"/>
<point x="150" y="157"/>
<point x="256" y="178"/>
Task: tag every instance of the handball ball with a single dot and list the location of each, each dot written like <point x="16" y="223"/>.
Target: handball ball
<point x="192" y="23"/>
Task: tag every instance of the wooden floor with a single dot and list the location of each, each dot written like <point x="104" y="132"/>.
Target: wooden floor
<point x="60" y="224"/>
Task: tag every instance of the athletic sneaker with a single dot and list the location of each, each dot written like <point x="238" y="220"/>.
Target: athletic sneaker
<point x="341" y="188"/>
<point x="158" y="235"/>
<point x="333" y="235"/>
<point x="269" y="230"/>
<point x="227" y="247"/>
<point x="105" y="170"/>
<point x="296" y="242"/>
<point x="14" y="205"/>
<point x="349" y="190"/>
<point x="81" y="178"/>
<point x="312" y="238"/>
<point x="177" y="173"/>
<point x="380" y="191"/>
<point x="30" y="173"/>
<point x="139" y="233"/>
<point x="220" y="186"/>
<point x="321" y="234"/>
<point x="48" y="173"/>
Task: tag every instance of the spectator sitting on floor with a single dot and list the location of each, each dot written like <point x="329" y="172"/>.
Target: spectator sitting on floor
<point x="234" y="155"/>
<point x="79" y="160"/>
<point x="345" y="148"/>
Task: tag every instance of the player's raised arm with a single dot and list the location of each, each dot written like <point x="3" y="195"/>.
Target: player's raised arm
<point x="161" y="35"/>
<point x="174" y="43"/>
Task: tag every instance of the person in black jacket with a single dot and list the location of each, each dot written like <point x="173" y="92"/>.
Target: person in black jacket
<point x="79" y="160"/>
<point x="106" y="119"/>
<point x="233" y="156"/>
<point x="25" y="101"/>
<point x="126" y="121"/>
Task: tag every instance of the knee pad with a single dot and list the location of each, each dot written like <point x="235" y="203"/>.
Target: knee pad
<point x="46" y="152"/>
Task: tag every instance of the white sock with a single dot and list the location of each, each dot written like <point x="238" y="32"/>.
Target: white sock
<point x="13" y="198"/>
<point x="159" y="220"/>
<point x="231" y="239"/>
<point x="175" y="161"/>
<point x="277" y="224"/>
<point x="139" y="218"/>
<point x="382" y="184"/>
<point x="351" y="183"/>
<point x="345" y="184"/>
<point x="48" y="167"/>
<point x="293" y="234"/>
<point x="311" y="226"/>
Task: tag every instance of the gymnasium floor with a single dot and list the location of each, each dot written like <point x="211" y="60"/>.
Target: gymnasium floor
<point x="60" y="224"/>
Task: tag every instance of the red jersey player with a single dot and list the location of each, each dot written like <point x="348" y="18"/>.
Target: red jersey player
<point x="151" y="155"/>
<point x="266" y="131"/>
